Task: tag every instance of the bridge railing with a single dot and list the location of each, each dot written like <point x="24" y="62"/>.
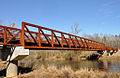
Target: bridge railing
<point x="56" y="39"/>
<point x="34" y="36"/>
<point x="9" y="34"/>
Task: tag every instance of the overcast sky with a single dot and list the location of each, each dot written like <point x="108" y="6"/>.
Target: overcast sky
<point x="93" y="16"/>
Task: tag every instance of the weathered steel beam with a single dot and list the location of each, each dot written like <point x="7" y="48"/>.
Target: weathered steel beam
<point x="49" y="41"/>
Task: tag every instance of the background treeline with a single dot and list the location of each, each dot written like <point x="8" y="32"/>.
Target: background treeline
<point x="108" y="40"/>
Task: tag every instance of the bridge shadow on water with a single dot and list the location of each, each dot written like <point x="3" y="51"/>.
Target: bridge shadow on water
<point x="21" y="70"/>
<point x="93" y="57"/>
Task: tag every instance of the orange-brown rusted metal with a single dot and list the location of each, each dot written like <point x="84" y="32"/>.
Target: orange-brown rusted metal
<point x="41" y="39"/>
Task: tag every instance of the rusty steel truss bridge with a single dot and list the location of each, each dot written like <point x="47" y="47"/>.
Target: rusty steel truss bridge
<point x="37" y="37"/>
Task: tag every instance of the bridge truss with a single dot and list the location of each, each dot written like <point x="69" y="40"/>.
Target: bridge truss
<point x="37" y="37"/>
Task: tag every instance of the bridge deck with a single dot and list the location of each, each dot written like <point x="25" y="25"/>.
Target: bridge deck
<point x="33" y="36"/>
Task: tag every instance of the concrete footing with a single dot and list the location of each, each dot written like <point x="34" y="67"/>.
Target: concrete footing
<point x="12" y="69"/>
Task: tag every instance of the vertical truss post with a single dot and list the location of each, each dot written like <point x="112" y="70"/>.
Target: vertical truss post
<point x="101" y="46"/>
<point x="39" y="35"/>
<point x="62" y="39"/>
<point x="5" y="35"/>
<point x="76" y="42"/>
<point x="22" y="40"/>
<point x="52" y="40"/>
<point x="88" y="44"/>
<point x="94" y="45"/>
<point x="81" y="43"/>
<point x="73" y="41"/>
<point x="69" y="41"/>
<point x="97" y="45"/>
<point x="84" y="42"/>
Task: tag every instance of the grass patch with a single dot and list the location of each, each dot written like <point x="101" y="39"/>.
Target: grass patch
<point x="67" y="72"/>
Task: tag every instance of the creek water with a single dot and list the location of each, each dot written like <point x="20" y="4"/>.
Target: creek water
<point x="107" y="66"/>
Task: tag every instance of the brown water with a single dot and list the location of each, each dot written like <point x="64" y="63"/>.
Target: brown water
<point x="107" y="66"/>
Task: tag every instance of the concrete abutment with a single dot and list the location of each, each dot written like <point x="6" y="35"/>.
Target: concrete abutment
<point x="12" y="55"/>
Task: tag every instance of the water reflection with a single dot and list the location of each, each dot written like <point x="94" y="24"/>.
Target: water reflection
<point x="114" y="66"/>
<point x="108" y="66"/>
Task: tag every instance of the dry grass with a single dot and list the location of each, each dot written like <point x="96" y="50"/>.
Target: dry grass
<point x="57" y="55"/>
<point x="67" y="72"/>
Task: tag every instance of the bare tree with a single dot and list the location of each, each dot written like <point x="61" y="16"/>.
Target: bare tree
<point x="75" y="28"/>
<point x="88" y="36"/>
<point x="12" y="25"/>
<point x="108" y="40"/>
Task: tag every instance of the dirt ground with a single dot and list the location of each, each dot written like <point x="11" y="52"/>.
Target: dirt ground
<point x="2" y="64"/>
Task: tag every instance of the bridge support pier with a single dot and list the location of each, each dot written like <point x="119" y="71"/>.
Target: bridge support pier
<point x="12" y="54"/>
<point x="12" y="69"/>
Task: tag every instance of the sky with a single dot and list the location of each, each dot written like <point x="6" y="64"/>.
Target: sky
<point x="93" y="16"/>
